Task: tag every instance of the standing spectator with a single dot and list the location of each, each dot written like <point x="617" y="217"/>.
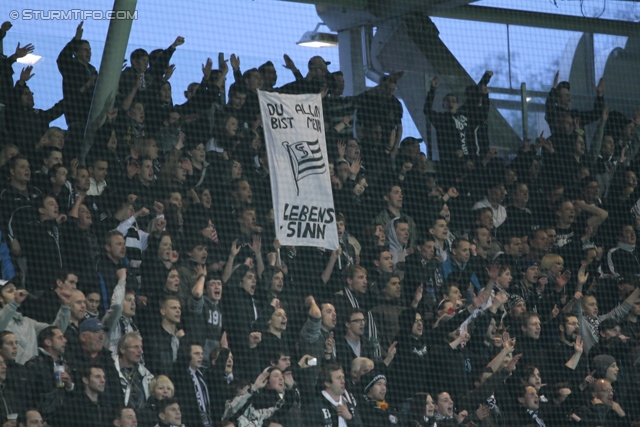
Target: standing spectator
<point x="17" y="377"/>
<point x="494" y="199"/>
<point x="134" y="377"/>
<point x="206" y="322"/>
<point x="119" y="318"/>
<point x="78" y="81"/>
<point x="393" y="209"/>
<point x="160" y="388"/>
<point x="164" y="339"/>
<point x="24" y="122"/>
<point x="10" y="404"/>
<point x="49" y="398"/>
<point x="92" y="351"/>
<point x="17" y="199"/>
<point x="191" y="388"/>
<point x="374" y="410"/>
<point x="316" y="337"/>
<point x="109" y="265"/>
<point x="25" y="328"/>
<point x="169" y="413"/>
<point x="335" y="406"/>
<point x="88" y="408"/>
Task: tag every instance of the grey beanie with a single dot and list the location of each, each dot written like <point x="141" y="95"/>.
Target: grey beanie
<point x="601" y="363"/>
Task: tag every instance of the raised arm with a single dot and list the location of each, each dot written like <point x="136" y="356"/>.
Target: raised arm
<point x="598" y="215"/>
<point x="431" y="96"/>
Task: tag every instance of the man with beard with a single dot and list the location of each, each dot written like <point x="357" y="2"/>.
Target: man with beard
<point x="51" y="347"/>
<point x="88" y="408"/>
<point x="565" y="357"/>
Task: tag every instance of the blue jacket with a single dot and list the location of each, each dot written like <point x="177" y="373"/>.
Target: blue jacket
<point x="464" y="275"/>
<point x="8" y="271"/>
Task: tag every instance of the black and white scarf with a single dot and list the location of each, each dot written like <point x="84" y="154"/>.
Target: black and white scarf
<point x="202" y="395"/>
<point x="372" y="331"/>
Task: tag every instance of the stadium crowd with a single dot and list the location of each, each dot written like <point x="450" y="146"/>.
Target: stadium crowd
<point x="146" y="286"/>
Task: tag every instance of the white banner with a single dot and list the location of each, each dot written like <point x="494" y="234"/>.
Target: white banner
<point x="299" y="170"/>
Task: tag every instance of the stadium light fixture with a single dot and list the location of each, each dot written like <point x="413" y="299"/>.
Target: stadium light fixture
<point x="317" y="39"/>
<point x="29" y="59"/>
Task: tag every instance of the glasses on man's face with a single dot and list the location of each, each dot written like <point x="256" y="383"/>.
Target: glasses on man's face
<point x="357" y="321"/>
<point x="418" y="322"/>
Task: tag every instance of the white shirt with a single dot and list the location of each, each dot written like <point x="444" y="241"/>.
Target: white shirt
<point x="96" y="189"/>
<point x="499" y="215"/>
<point x="341" y="421"/>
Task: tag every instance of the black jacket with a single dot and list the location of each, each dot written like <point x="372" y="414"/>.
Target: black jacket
<point x="74" y="76"/>
<point x="410" y="368"/>
<point x="373" y="416"/>
<point x="185" y="391"/>
<point x="323" y="413"/>
<point x="78" y="409"/>
<point x="158" y="353"/>
<point x="113" y="394"/>
<point x="49" y="399"/>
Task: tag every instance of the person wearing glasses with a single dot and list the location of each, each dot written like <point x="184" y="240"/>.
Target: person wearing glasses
<point x="352" y="344"/>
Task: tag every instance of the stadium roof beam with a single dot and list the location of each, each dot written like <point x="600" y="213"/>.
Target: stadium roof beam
<point x="540" y="20"/>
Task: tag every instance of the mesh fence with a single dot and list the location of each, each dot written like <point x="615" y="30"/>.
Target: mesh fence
<point x="433" y="223"/>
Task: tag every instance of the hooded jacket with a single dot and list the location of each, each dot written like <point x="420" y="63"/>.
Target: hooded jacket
<point x="27" y="329"/>
<point x="409" y="368"/>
